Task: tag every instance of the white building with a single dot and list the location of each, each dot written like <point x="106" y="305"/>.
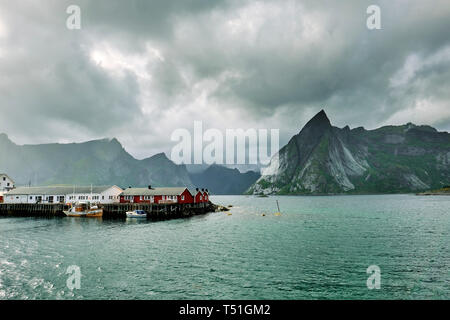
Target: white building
<point x="63" y="194"/>
<point x="6" y="183"/>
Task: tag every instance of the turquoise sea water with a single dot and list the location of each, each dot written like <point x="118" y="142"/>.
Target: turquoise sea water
<point x="319" y="248"/>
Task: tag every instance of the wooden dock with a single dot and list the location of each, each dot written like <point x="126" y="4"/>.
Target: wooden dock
<point x="111" y="211"/>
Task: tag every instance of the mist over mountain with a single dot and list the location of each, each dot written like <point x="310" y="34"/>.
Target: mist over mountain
<point x="98" y="162"/>
<point x="323" y="159"/>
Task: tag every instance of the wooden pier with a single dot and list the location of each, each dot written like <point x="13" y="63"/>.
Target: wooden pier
<point x="111" y="211"/>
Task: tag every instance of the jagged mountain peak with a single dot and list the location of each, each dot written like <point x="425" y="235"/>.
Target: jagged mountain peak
<point x="323" y="159"/>
<point x="112" y="143"/>
<point x="4" y="137"/>
<point x="160" y="156"/>
<point x="115" y="141"/>
<point x="5" y="142"/>
<point x="320" y="119"/>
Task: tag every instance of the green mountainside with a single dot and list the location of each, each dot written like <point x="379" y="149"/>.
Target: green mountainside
<point x="323" y="159"/>
<point x="98" y="162"/>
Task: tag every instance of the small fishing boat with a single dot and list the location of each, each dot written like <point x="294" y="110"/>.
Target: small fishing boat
<point x="84" y="210"/>
<point x="136" y="214"/>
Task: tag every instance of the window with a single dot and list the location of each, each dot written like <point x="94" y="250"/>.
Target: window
<point x="182" y="197"/>
<point x="4" y="179"/>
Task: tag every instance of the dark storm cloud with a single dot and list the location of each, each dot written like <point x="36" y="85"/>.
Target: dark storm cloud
<point x="49" y="86"/>
<point x="346" y="68"/>
<point x="160" y="65"/>
<point x="141" y="18"/>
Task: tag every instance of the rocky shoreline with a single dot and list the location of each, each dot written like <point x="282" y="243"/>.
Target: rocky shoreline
<point x="441" y="192"/>
<point x="433" y="194"/>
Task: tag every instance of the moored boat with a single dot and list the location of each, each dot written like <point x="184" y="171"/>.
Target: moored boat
<point x="84" y="210"/>
<point x="136" y="214"/>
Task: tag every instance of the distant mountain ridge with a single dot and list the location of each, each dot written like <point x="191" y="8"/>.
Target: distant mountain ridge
<point x="323" y="159"/>
<point x="98" y="162"/>
<point x="222" y="180"/>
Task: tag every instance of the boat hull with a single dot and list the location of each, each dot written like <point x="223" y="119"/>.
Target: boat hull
<point x="138" y="216"/>
<point x="97" y="213"/>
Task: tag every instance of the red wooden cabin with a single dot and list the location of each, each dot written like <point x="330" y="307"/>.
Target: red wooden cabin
<point x="200" y="195"/>
<point x="156" y="195"/>
<point x="205" y="195"/>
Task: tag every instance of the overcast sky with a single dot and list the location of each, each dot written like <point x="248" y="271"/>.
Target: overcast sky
<point x="137" y="70"/>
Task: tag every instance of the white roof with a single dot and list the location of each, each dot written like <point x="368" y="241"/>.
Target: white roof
<point x="58" y="190"/>
<point x="4" y="174"/>
<point x="176" y="191"/>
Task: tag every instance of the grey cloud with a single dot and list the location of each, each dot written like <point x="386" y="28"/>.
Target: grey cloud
<point x="274" y="68"/>
<point x="49" y="79"/>
<point x="350" y="64"/>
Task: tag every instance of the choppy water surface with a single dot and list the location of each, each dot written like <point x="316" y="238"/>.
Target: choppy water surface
<point x="319" y="248"/>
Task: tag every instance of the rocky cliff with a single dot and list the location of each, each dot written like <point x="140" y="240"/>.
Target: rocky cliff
<point x="323" y="159"/>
